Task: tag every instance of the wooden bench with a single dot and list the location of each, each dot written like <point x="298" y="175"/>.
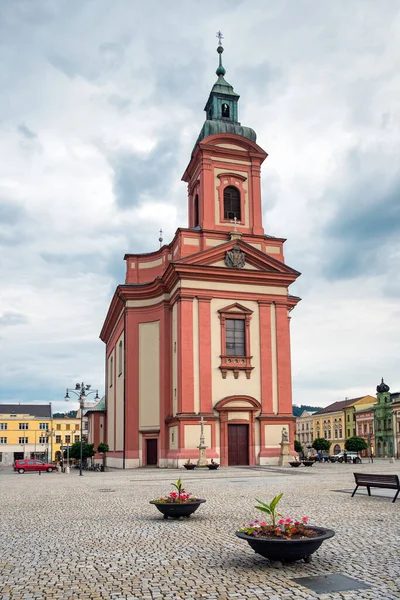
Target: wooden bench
<point x="380" y="481"/>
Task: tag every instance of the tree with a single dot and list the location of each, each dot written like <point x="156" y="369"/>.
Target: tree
<point x="103" y="448"/>
<point x="298" y="447"/>
<point x="355" y="444"/>
<point x="87" y="451"/>
<point x="321" y="444"/>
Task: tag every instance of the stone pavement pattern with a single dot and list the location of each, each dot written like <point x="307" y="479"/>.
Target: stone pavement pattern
<point x="66" y="537"/>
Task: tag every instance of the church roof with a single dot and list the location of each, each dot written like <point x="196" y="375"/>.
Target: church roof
<point x="219" y="126"/>
<point x="99" y="407"/>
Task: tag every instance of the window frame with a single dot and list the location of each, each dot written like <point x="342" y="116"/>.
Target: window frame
<point x="241" y="362"/>
<point x="236" y="181"/>
<point x="239" y="216"/>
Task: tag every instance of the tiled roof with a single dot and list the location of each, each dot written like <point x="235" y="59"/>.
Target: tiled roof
<point x="34" y="410"/>
<point x="336" y="406"/>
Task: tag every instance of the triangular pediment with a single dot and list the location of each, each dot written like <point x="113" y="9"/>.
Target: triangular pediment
<point x="237" y="255"/>
<point x="236" y="308"/>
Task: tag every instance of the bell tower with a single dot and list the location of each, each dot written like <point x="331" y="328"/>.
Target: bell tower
<point x="223" y="175"/>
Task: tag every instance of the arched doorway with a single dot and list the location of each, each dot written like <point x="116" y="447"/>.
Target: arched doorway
<point x="237" y="417"/>
<point x="336" y="449"/>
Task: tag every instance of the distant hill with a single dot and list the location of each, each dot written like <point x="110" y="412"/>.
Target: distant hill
<point x="71" y="415"/>
<point x="297" y="410"/>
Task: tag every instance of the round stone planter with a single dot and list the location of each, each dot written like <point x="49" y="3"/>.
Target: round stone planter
<point x="176" y="509"/>
<point x="287" y="550"/>
<point x="295" y="463"/>
<point x="213" y="467"/>
<point x="190" y="467"/>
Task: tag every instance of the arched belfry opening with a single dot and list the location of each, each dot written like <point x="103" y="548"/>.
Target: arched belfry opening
<point x="232" y="207"/>
<point x="225" y="111"/>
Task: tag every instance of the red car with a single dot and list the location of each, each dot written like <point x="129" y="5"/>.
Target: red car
<point x="32" y="465"/>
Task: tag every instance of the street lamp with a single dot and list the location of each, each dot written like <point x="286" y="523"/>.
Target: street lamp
<point x="50" y="434"/>
<point x="82" y="391"/>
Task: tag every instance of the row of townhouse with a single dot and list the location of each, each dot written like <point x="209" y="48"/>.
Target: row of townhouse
<point x="30" y="431"/>
<point x="377" y="420"/>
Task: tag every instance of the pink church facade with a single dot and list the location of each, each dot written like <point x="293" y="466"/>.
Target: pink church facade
<point x="201" y="327"/>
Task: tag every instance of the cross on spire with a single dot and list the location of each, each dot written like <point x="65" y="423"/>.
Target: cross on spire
<point x="220" y="38"/>
<point x="235" y="222"/>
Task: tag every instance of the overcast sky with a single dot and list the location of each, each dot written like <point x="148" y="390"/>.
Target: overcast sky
<point x="100" y="105"/>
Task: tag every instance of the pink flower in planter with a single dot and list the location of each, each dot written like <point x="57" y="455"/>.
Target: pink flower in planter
<point x="305" y="519"/>
<point x="288" y="520"/>
<point x="173" y="494"/>
<point x="262" y="523"/>
<point x="281" y="521"/>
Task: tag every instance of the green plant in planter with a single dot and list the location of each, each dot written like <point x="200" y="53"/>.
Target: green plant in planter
<point x="270" y="509"/>
<point x="178" y="497"/>
<point x="277" y="528"/>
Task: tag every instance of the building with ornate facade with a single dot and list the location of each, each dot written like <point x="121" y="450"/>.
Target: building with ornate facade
<point x="383" y="421"/>
<point x="364" y="425"/>
<point x="304" y="429"/>
<point x="336" y="421"/>
<point x="200" y="328"/>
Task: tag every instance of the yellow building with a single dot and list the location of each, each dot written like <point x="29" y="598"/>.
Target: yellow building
<point x="349" y="413"/>
<point x="65" y="432"/>
<point x="336" y="422"/>
<point x="24" y="432"/>
<point x="29" y="431"/>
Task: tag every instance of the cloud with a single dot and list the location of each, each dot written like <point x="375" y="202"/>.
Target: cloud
<point x="137" y="176"/>
<point x="9" y="319"/>
<point x="26" y="132"/>
<point x="100" y="109"/>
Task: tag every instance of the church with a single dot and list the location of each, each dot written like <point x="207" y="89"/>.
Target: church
<point x="200" y="330"/>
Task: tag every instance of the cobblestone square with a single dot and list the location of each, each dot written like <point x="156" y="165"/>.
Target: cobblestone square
<point x="97" y="536"/>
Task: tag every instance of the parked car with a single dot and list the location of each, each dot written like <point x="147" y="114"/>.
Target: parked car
<point x="32" y="465"/>
<point x="324" y="457"/>
<point x="352" y="457"/>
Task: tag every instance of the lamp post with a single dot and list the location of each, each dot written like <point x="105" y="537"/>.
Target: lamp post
<point x="82" y="391"/>
<point x="50" y="434"/>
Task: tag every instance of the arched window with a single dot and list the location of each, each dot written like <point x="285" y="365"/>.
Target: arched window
<point x="232" y="203"/>
<point x="196" y="210"/>
<point x="225" y="111"/>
